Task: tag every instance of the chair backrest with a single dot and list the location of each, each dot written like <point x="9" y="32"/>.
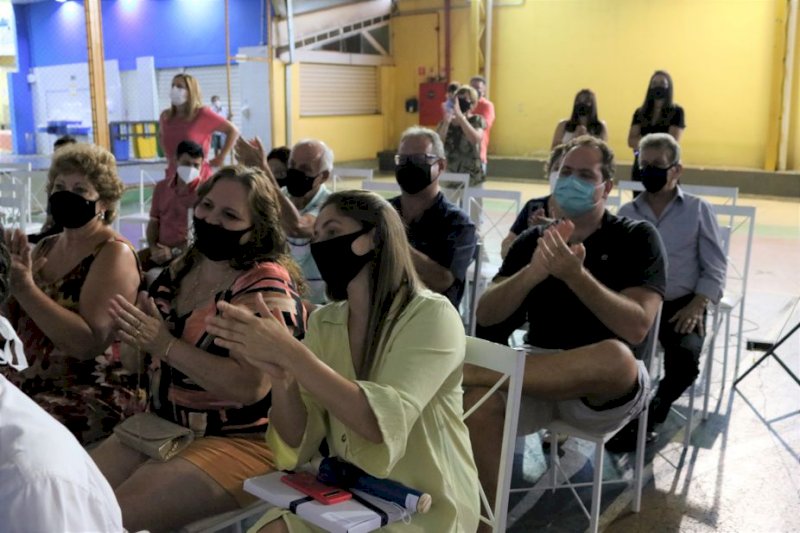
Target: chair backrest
<point x="510" y="363"/>
<point x="625" y="189"/>
<point x="342" y="173"/>
<point x="613" y="203"/>
<point x="493" y="212"/>
<point x="384" y="188"/>
<point x="346" y="172"/>
<point x="454" y="186"/>
<point x="14" y="201"/>
<point x="728" y="195"/>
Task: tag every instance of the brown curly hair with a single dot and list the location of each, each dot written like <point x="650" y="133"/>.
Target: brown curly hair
<point x="267" y="239"/>
<point x="98" y="165"/>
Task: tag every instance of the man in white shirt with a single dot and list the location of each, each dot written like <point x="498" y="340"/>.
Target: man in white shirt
<point x="48" y="483"/>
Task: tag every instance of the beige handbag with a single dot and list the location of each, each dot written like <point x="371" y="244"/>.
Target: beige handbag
<point x="153" y="436"/>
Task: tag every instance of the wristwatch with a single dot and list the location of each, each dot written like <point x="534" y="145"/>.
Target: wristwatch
<point x="176" y="251"/>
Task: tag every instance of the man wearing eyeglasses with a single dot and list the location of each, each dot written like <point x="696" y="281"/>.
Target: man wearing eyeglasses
<point x="697" y="265"/>
<point x="442" y="236"/>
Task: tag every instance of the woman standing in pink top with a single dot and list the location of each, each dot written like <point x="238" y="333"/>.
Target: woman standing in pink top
<point x="188" y="119"/>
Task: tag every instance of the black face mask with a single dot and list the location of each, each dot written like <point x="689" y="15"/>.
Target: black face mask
<point x="658" y="93"/>
<point x="654" y="178"/>
<point x="71" y="210"/>
<point x="464" y="105"/>
<point x="216" y="242"/>
<point x="338" y="264"/>
<point x="583" y="110"/>
<point x="297" y="183"/>
<point x="413" y="178"/>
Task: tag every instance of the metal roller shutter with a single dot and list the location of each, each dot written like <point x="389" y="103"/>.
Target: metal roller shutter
<point x="212" y="81"/>
<point x="327" y="90"/>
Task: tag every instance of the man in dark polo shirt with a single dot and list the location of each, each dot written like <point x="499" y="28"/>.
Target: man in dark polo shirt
<point x="591" y="285"/>
<point x="442" y="236"/>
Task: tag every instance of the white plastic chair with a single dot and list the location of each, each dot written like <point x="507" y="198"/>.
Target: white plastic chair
<point x="14" y="201"/>
<point x="340" y="173"/>
<point x="472" y="293"/>
<point x="613" y="203"/>
<point x="729" y="195"/>
<point x="237" y="521"/>
<point x="559" y="427"/>
<point x="511" y="364"/>
<point x="384" y="188"/>
<point x="492" y="225"/>
<point x="142" y="217"/>
<point x="455" y="186"/>
<point x="733" y="299"/>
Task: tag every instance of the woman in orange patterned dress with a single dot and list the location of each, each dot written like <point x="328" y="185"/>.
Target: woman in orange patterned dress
<point x="239" y="255"/>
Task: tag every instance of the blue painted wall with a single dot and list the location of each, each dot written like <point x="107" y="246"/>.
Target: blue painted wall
<point x="19" y="92"/>
<point x="178" y="33"/>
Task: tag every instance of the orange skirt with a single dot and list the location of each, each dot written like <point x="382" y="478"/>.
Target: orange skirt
<point x="231" y="460"/>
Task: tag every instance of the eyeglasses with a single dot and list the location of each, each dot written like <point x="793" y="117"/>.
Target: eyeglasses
<point x="417" y="159"/>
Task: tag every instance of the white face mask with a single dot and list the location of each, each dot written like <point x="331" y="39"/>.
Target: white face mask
<point x="553" y="178"/>
<point x="188" y="174"/>
<point x="178" y="96"/>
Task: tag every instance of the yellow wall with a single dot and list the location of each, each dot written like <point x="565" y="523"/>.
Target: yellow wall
<point x="350" y="137"/>
<point x="721" y="54"/>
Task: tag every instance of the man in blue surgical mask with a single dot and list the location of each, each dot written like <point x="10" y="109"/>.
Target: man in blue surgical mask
<point x="590" y="285"/>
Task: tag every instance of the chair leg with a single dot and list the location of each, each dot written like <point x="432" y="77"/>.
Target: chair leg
<point x="638" y="472"/>
<point x="687" y="431"/>
<point x="739" y="335"/>
<point x="597" y="487"/>
<point x="554" y="461"/>
<point x="708" y="369"/>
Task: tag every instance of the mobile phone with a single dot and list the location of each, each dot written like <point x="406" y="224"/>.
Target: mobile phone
<point x="307" y="483"/>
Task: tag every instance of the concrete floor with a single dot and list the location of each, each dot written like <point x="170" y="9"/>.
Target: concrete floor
<point x="741" y="472"/>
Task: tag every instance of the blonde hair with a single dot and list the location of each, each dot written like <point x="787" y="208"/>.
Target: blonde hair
<point x="98" y="165"/>
<point x="195" y="97"/>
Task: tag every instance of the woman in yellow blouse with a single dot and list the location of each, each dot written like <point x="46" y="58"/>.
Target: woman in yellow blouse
<point x="378" y="375"/>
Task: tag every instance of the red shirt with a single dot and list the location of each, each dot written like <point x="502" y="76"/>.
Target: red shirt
<point x="485" y="109"/>
<point x="170" y="208"/>
<point x="199" y="129"/>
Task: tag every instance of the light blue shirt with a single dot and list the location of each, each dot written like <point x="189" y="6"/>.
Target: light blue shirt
<point x="301" y="249"/>
<point x="691" y="235"/>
